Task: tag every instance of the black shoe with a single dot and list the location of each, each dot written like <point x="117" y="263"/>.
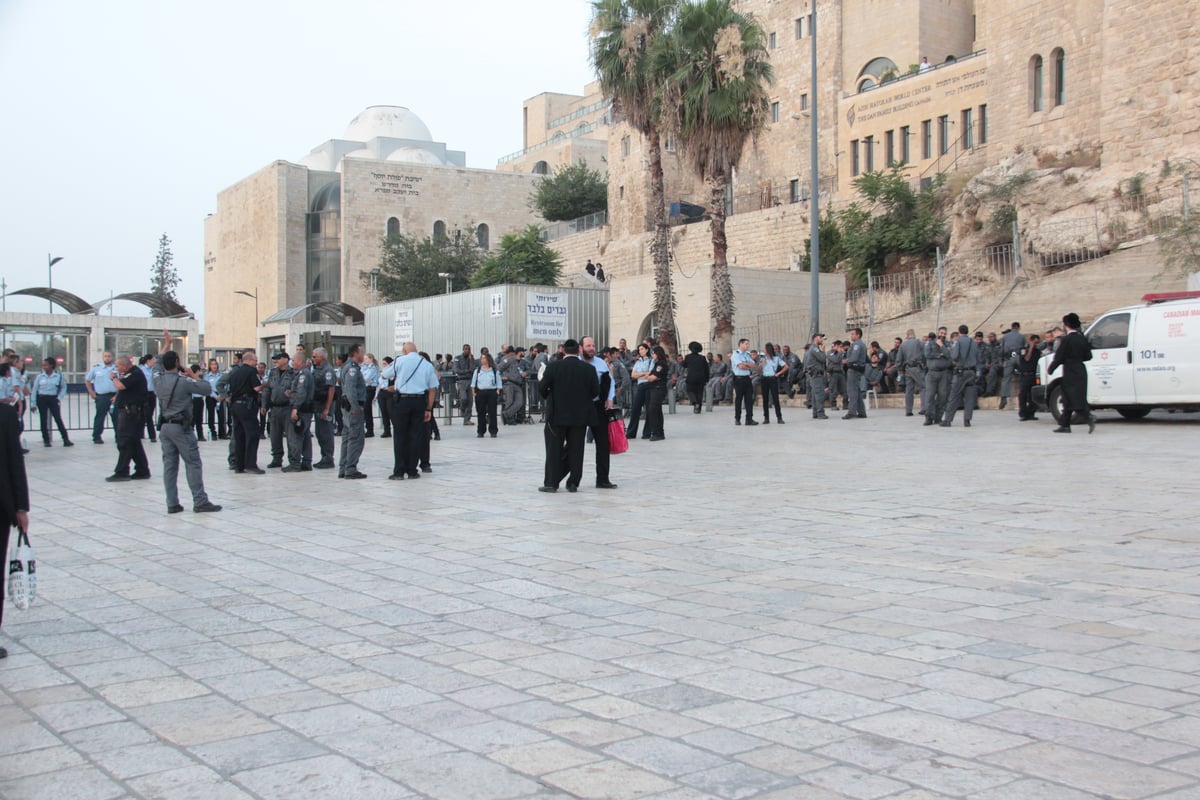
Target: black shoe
<point x="306" y="467"/>
<point x="368" y="436"/>
<point x="657" y="438"/>
<point x="205" y="508"/>
<point x="737" y="422"/>
<point x="751" y="422"/>
<point x="199" y="438"/>
<point x="97" y="441"/>
<point x="355" y="476"/>
<point x="908" y="413"/>
<point x="479" y="436"/>
<point x="1062" y="429"/>
<point x="437" y="436"/>
<point x="967" y="423"/>
<point x="153" y="440"/>
<point x="695" y="409"/>
<point x="548" y="489"/>
<point x="947" y="424"/>
<point x="850" y="416"/>
<point x="1003" y="403"/>
<point x="323" y="465"/>
<point x="466" y="422"/>
<point x="254" y="470"/>
<point x="3" y="653"/>
<point x="766" y="421"/>
<point x="275" y="465"/>
<point x="493" y="436"/>
<point x="605" y="485"/>
<point x="174" y="509"/>
<point x="47" y="444"/>
<point x="386" y="436"/>
<point x="144" y="476"/>
<point x="572" y="488"/>
<point x="928" y="421"/>
<point x="426" y="469"/>
<point x="224" y="437"/>
<point x="412" y="476"/>
<point x="290" y="468"/>
<point x="1091" y="424"/>
<point x="396" y="476"/>
<point x="862" y="416"/>
<point x="779" y="421"/>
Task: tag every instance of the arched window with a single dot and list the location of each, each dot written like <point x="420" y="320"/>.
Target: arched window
<point x="482" y="235"/>
<point x="439" y="232"/>
<point x="1058" y="62"/>
<point x="877" y="71"/>
<point x="541" y="168"/>
<point x="393" y="227"/>
<point x="1036" y="68"/>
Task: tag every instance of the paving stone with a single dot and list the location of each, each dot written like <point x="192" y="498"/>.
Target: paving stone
<point x="460" y="775"/>
<point x="1088" y="772"/>
<point x="608" y="779"/>
<point x="320" y="777"/>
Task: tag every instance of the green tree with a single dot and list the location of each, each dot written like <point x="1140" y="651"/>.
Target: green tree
<point x="830" y="237"/>
<point x="717" y="100"/>
<point x="572" y="192"/>
<point x="412" y="267"/>
<point x="892" y="218"/>
<point x="163" y="275"/>
<point x="522" y="258"/>
<point x="624" y="37"/>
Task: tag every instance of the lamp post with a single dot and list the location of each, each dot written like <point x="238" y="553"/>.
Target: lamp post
<point x="814" y="262"/>
<point x="449" y="281"/>
<point x="374" y="284"/>
<point x="50" y="262"/>
<point x="255" y="296"/>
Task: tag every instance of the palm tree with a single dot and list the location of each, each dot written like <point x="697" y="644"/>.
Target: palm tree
<point x="716" y="100"/>
<point x="624" y="33"/>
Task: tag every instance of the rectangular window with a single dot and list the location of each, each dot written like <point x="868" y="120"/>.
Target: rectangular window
<point x="771" y="40"/>
<point x="889" y="148"/>
<point x="775" y="112"/>
<point x="968" y="128"/>
<point x="983" y="124"/>
<point x="905" y="155"/>
<point x="625" y="147"/>
<point x="869" y="157"/>
<point x="943" y="134"/>
<point x="804" y="26"/>
<point x="927" y="139"/>
<point x="794" y="190"/>
<point x="854" y="157"/>
<point x="804" y="102"/>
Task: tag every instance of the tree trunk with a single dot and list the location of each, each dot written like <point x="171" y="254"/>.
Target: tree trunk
<point x="664" y="293"/>
<point x="721" y="304"/>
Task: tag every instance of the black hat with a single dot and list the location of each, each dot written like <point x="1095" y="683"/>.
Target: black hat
<point x="279" y="355"/>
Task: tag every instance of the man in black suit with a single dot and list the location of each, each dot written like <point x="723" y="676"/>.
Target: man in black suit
<point x="1071" y="354"/>
<point x="568" y="386"/>
<point x="14" y="491"/>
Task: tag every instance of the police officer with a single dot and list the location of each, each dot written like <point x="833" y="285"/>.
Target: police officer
<point x="387" y="376"/>
<point x="279" y="405"/>
<point x="836" y="376"/>
<point x="994" y="360"/>
<point x="354" y="400"/>
<point x="49" y="388"/>
<point x="795" y="371"/>
<point x="131" y="413"/>
<point x="1010" y="347"/>
<point x="412" y="407"/>
<point x="509" y="368"/>
<point x="324" y="391"/>
<point x="743" y="384"/>
<point x="244" y="390"/>
<point x="102" y="390"/>
<point x="964" y="355"/>
<point x="300" y="409"/>
<point x="816" y="368"/>
<point x="911" y="356"/>
<point x="464" y="368"/>
<point x="937" y="376"/>
<point x="175" y="383"/>
<point x="856" y="365"/>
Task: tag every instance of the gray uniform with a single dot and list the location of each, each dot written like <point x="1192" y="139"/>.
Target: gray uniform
<point x="514" y="389"/>
<point x="937" y="380"/>
<point x="178" y="436"/>
<point x="354" y="431"/>
<point x="464" y="368"/>
<point x="279" y="409"/>
<point x="324" y="377"/>
<point x="299" y="438"/>
<point x="964" y="354"/>
<point x="816" y="370"/>
<point x="836" y="378"/>
<point x="794" y="374"/>
<point x="912" y="366"/>
<point x="223" y="394"/>
<point x="856" y="365"/>
<point x="1010" y="346"/>
<point x="622" y="384"/>
<point x="718" y="381"/>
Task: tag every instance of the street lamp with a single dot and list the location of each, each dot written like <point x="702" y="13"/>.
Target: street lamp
<point x="374" y="284"/>
<point x="449" y="281"/>
<point x="255" y="296"/>
<point x="50" y="262"/>
<point x="814" y="191"/>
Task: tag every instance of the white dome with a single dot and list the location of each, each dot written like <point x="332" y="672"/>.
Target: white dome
<point x="395" y="122"/>
<point x="361" y="152"/>
<point x="416" y="155"/>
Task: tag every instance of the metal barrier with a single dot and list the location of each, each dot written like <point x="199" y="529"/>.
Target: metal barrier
<point x="77" y="409"/>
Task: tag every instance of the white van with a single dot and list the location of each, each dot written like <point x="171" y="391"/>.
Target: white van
<point x="1143" y="357"/>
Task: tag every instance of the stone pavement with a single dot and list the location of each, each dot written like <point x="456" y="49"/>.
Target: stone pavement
<point x="865" y="609"/>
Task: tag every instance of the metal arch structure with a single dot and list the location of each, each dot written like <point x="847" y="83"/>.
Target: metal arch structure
<point x="160" y="306"/>
<point x="336" y="312"/>
<point x="74" y="304"/>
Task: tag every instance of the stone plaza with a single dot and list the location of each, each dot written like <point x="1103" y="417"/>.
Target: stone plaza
<point x="843" y="609"/>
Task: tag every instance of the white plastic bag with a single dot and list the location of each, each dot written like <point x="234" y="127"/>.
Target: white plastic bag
<point x="22" y="573"/>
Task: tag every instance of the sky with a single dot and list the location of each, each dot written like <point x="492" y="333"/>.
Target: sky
<point x="122" y="120"/>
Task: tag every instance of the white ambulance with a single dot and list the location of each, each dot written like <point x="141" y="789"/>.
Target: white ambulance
<point x="1143" y="357"/>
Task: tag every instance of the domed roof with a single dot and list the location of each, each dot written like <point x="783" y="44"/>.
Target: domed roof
<point x="395" y="122"/>
<point x="416" y="155"/>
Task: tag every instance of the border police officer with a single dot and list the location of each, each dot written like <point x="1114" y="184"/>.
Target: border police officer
<point x="354" y="399"/>
<point x="278" y="391"/>
<point x="964" y="354"/>
<point x="175" y="383"/>
<point x="856" y="365"/>
<point x="324" y="388"/>
<point x="300" y="400"/>
<point x="937" y="377"/>
<point x="816" y="367"/>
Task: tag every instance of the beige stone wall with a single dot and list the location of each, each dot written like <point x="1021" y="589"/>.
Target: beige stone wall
<point x="561" y="129"/>
<point x="253" y="243"/>
<point x="419" y="195"/>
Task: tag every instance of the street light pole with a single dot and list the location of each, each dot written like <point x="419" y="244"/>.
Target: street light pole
<point x="50" y="262"/>
<point x="814" y="261"/>
<point x="255" y="296"/>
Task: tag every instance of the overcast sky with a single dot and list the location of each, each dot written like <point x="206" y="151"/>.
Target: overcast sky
<point x="121" y="120"/>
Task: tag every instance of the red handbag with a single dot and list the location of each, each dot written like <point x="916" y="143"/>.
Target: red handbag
<point x="617" y="442"/>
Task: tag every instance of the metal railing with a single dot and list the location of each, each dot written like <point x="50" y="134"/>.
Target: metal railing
<point x="558" y="138"/>
<point x="779" y="328"/>
<point x="558" y="230"/>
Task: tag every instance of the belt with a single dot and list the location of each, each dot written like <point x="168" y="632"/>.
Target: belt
<point x="407" y="394"/>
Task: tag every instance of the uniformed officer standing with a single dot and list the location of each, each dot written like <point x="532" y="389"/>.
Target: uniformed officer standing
<point x="835" y="376"/>
<point x="102" y="390"/>
<point x="937" y="377"/>
<point x="354" y="400"/>
<point x="964" y="354"/>
<point x="509" y="368"/>
<point x="464" y="368"/>
<point x="412" y="407"/>
<point x="174" y="385"/>
<point x="1010" y="347"/>
<point x="912" y="366"/>
<point x="743" y="385"/>
<point x="131" y="413"/>
<point x="244" y="389"/>
<point x="300" y="400"/>
<point x="856" y="365"/>
<point x="279" y="405"/>
<point x="324" y="389"/>
<point x="816" y="369"/>
<point x="49" y="388"/>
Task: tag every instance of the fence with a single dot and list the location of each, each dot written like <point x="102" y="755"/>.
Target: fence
<point x="779" y="328"/>
<point x="891" y="296"/>
<point x="560" y="229"/>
